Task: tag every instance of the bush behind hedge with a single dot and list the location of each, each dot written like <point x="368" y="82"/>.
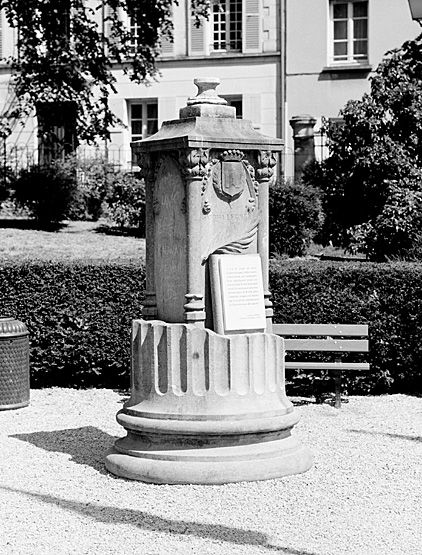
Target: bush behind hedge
<point x="79" y="317"/>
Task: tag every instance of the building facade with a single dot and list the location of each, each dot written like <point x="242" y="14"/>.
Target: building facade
<point x="331" y="47"/>
<point x="276" y="59"/>
<point x="240" y="44"/>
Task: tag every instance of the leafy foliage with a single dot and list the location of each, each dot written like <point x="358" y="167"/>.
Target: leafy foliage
<point x="65" y="56"/>
<point x="379" y="143"/>
<point x="48" y="192"/>
<point x="94" y="176"/>
<point x="79" y="318"/>
<point x="81" y="189"/>
<point x="397" y="230"/>
<point x="126" y="201"/>
<point x="295" y="217"/>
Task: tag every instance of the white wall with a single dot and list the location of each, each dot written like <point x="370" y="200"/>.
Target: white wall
<point x="255" y="79"/>
<point x="309" y="90"/>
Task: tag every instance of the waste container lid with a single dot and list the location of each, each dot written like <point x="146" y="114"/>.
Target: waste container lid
<point x="10" y="327"/>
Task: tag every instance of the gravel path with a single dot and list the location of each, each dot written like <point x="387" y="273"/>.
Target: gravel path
<point x="363" y="496"/>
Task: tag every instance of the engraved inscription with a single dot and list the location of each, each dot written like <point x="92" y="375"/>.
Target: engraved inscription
<point x="242" y="292"/>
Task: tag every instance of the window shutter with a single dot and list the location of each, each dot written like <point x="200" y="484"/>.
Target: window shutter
<point x="252" y="40"/>
<point x="197" y="38"/>
<point x="166" y="46"/>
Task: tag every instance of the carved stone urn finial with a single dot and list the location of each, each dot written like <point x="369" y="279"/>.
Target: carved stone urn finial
<point x="207" y="103"/>
<point x="206" y="92"/>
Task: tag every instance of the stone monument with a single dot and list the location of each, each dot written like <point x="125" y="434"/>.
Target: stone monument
<point x="208" y="402"/>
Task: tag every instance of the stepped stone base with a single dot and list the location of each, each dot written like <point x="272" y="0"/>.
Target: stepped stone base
<point x="206" y="409"/>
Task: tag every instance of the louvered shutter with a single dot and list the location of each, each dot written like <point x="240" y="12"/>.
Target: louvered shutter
<point x="252" y="23"/>
<point x="197" y="45"/>
<point x="166" y="45"/>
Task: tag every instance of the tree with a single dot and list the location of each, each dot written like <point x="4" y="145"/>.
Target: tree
<point x="373" y="153"/>
<point x="62" y="69"/>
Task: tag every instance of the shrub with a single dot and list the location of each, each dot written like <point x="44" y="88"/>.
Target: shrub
<point x="295" y="217"/>
<point x="46" y="191"/>
<point x="377" y="143"/>
<point x="79" y="317"/>
<point x="126" y="201"/>
<point x="385" y="296"/>
<point x="397" y="230"/>
<point x="94" y="176"/>
<point x="7" y="176"/>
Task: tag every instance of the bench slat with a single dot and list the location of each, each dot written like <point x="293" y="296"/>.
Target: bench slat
<point x="333" y="345"/>
<point x="320" y="365"/>
<point x="350" y="330"/>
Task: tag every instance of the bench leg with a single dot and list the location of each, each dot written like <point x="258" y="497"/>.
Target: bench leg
<point x="337" y="382"/>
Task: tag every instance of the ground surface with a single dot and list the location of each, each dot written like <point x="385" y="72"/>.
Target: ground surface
<point x="74" y="241"/>
<point x="362" y="496"/>
<point x="19" y="239"/>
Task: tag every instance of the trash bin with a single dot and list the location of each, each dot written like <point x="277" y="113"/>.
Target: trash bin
<point x="14" y="364"/>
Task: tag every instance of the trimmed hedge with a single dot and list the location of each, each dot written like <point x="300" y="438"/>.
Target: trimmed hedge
<point x="79" y="317"/>
<point x="387" y="297"/>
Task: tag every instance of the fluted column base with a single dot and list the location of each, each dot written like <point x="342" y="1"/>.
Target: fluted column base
<point x="206" y="409"/>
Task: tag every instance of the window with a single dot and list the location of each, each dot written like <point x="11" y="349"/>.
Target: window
<point x="349" y="26"/>
<point x="235" y="101"/>
<point x="227" y="25"/>
<point x="143" y="118"/>
<point x="234" y="26"/>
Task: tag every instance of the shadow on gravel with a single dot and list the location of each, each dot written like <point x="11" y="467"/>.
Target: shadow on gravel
<point x="88" y="445"/>
<point x="386" y="434"/>
<point x="153" y="523"/>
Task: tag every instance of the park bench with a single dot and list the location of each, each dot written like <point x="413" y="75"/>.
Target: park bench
<point x="336" y="339"/>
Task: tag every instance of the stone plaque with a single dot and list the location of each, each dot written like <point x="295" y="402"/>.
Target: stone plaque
<point x="237" y="293"/>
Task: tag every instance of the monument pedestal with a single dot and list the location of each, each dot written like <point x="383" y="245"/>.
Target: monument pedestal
<point x="206" y="408"/>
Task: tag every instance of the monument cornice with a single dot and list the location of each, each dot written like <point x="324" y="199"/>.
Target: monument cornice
<point x="207" y="132"/>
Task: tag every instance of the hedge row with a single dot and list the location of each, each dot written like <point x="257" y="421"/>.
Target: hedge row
<point x="79" y="317"/>
<point x="387" y="297"/>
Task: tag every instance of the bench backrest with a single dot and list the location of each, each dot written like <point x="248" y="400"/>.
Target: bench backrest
<point x="324" y="337"/>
